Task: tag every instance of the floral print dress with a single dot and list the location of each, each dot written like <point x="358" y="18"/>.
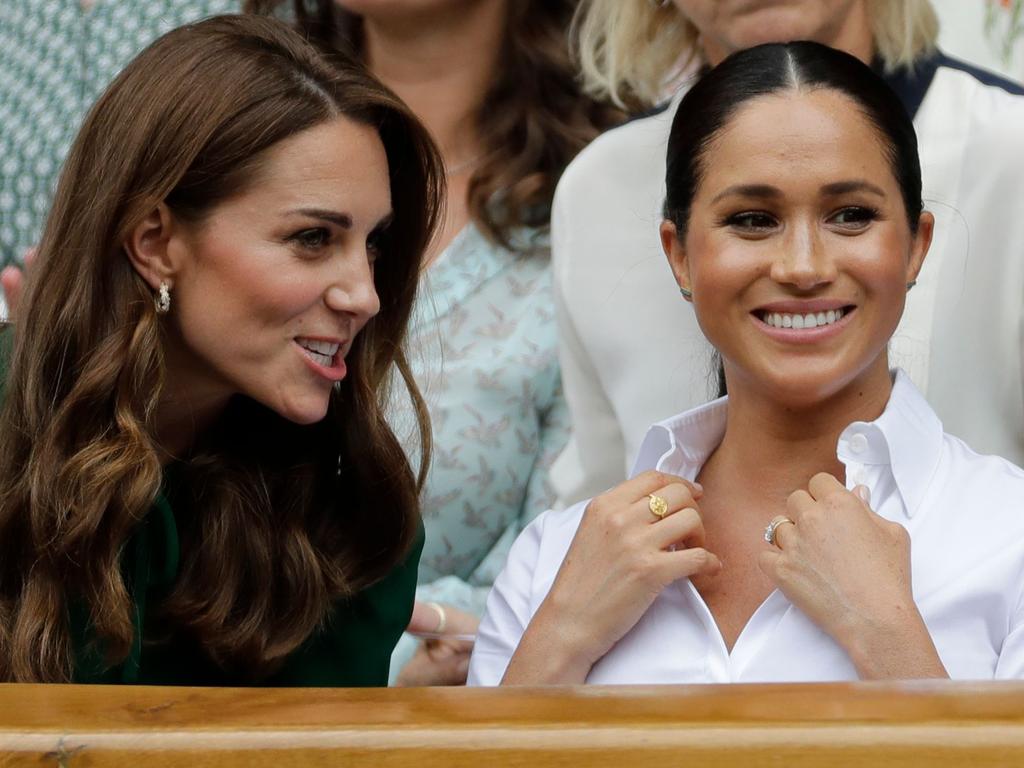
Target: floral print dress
<point x="483" y="349"/>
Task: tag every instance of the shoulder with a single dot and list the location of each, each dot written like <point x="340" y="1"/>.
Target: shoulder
<point x="991" y="107"/>
<point x="977" y="469"/>
<point x="985" y="491"/>
<point x="630" y="152"/>
<point x="946" y="65"/>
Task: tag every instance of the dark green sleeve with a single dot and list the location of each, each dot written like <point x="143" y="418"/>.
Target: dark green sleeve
<point x="354" y="648"/>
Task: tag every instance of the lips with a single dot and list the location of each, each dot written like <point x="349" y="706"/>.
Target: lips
<point x="324" y="356"/>
<point x="802" y="317"/>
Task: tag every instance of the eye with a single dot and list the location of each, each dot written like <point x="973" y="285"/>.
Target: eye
<point x="854" y="217"/>
<point x="312" y="239"/>
<point x="751" y="221"/>
<point x="376" y="244"/>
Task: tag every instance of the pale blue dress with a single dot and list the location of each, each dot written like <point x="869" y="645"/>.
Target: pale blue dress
<point x="484" y="353"/>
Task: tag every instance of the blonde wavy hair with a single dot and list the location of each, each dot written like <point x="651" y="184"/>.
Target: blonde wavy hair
<point x="629" y="50"/>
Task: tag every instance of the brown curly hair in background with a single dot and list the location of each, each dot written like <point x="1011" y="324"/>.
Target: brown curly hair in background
<point x="534" y="118"/>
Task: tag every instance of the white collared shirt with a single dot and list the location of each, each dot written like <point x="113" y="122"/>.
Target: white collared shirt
<point x="964" y="513"/>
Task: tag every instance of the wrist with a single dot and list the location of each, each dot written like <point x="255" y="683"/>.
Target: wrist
<point x="554" y="650"/>
<point x="893" y="645"/>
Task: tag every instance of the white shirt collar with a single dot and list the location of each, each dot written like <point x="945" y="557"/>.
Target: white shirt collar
<point x="906" y="440"/>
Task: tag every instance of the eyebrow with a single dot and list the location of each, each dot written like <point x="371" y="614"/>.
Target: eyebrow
<point x="385" y="222"/>
<point x="767" y="191"/>
<point x="854" y="185"/>
<point x="343" y="220"/>
<point x="749" y="190"/>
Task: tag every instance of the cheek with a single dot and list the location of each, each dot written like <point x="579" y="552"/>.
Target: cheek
<point x="235" y="303"/>
<point x="720" y="270"/>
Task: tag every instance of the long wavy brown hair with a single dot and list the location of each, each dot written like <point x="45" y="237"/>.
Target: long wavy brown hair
<point x="281" y="520"/>
<point x="533" y="121"/>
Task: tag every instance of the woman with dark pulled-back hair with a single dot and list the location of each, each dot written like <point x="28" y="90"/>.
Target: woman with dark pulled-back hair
<point x="816" y="524"/>
<point x="493" y="82"/>
<point x="197" y="482"/>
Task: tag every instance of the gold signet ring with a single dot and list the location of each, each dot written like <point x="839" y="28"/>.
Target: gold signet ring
<point x="773" y="526"/>
<point x="657" y="505"/>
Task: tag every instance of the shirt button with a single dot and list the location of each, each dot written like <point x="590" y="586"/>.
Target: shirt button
<point x="858" y="443"/>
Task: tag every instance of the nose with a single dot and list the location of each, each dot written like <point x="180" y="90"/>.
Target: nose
<point x="352" y="291"/>
<point x="803" y="261"/>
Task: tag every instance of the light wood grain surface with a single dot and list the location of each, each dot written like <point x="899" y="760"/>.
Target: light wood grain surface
<point x="911" y="724"/>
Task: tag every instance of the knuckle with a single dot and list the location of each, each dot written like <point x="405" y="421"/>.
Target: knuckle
<point x="821" y="478"/>
<point x="619" y="520"/>
<point x="690" y="519"/>
<point x="699" y="557"/>
<point x="898" y="532"/>
<point x="652" y="475"/>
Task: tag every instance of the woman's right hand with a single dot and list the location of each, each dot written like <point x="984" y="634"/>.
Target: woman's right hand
<point x="620" y="559"/>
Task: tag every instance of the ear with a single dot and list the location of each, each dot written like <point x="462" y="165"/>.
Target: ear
<point x="151" y="247"/>
<point x="676" y="254"/>
<point x="919" y="247"/>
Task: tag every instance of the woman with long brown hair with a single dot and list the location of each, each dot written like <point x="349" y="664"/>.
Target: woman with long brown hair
<point x="197" y="483"/>
<point x="493" y="82"/>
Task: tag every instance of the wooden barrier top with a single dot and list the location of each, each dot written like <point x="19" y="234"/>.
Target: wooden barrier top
<point x="878" y="724"/>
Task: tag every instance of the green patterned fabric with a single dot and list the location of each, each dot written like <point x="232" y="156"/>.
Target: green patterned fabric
<point x="56" y="57"/>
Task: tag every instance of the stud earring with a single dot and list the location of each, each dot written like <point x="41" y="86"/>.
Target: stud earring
<point x="687" y="293"/>
<point x="163" y="299"/>
<point x="910" y="285"/>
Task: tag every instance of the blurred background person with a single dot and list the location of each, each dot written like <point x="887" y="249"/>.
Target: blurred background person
<point x="493" y="82"/>
<point x="56" y="57"/>
<point x="960" y="337"/>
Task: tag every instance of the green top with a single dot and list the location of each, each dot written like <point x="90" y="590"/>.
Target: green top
<point x="352" y="648"/>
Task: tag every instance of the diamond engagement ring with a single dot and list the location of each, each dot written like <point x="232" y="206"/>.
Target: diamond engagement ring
<point x="769" y="532"/>
<point x="657" y="505"/>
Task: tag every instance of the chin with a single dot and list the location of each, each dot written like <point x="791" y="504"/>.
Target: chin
<point x="803" y="386"/>
<point x="306" y="411"/>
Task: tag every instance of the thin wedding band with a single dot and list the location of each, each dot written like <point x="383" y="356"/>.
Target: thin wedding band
<point x="773" y="526"/>
<point x="442" y="617"/>
<point x="657" y="505"/>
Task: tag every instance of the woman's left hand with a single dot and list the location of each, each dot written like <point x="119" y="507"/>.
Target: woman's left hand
<point x="848" y="569"/>
<point x="439" y="660"/>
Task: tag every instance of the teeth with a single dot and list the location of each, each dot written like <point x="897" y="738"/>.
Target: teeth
<point x="320" y="352"/>
<point x="324" y="360"/>
<point x="800" y="322"/>
<point x="327" y="348"/>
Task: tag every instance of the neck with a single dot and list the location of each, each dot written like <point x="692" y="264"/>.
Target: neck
<point x="851" y="33"/>
<point x="441" y="63"/>
<point x="777" y="448"/>
<point x="188" y="405"/>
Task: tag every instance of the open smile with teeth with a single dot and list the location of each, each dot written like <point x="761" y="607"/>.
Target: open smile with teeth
<point x="800" y="322"/>
<point x="320" y="352"/>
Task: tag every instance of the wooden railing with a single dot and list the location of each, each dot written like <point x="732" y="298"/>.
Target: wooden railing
<point x="912" y="724"/>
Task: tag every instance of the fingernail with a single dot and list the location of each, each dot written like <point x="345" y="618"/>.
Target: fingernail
<point x="863" y="493"/>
